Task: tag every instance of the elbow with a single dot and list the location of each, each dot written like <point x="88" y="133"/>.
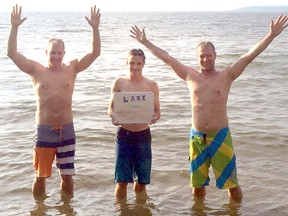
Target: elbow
<point x="110" y="112"/>
<point x="96" y="53"/>
<point x="9" y="54"/>
<point x="158" y="115"/>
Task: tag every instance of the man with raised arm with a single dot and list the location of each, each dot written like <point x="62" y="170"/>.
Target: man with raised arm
<point x="210" y="138"/>
<point x="53" y="86"/>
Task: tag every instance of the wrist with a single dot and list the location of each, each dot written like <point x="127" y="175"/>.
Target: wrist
<point x="14" y="27"/>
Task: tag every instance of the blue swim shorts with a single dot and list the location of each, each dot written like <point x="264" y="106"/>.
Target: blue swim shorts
<point x="51" y="141"/>
<point x="133" y="156"/>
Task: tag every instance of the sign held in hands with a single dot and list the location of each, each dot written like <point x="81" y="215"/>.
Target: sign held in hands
<point x="133" y="107"/>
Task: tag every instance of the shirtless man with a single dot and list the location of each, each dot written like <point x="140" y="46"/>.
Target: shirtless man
<point x="53" y="86"/>
<point x="209" y="88"/>
<point x="133" y="141"/>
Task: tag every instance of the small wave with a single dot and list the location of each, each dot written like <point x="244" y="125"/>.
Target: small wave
<point x="72" y="31"/>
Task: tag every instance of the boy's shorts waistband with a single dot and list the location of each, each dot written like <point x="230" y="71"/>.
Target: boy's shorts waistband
<point x="127" y="132"/>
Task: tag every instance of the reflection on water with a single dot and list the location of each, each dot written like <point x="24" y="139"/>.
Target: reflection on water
<point x="63" y="207"/>
<point x="200" y="208"/>
<point x="142" y="205"/>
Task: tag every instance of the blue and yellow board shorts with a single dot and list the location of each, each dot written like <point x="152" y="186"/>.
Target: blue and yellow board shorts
<point x="216" y="149"/>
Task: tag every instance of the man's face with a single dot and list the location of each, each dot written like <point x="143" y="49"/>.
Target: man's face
<point x="206" y="58"/>
<point x="55" y="53"/>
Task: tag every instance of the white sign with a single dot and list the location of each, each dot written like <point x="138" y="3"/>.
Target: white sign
<point x="133" y="107"/>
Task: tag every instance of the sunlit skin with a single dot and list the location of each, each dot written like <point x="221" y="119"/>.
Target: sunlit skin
<point x="55" y="53"/>
<point x="134" y="82"/>
<point x="53" y="83"/>
<point x="206" y="57"/>
<point x="209" y="88"/>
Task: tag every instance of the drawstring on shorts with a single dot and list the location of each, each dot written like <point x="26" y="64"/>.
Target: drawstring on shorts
<point x="58" y="128"/>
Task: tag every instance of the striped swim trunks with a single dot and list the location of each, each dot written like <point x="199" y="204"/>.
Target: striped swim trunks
<point x="50" y="141"/>
<point x="216" y="149"/>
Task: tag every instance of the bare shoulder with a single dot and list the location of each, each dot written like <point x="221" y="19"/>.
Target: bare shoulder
<point x="192" y="73"/>
<point x="38" y="68"/>
<point x="120" y="80"/>
<point x="151" y="85"/>
<point x="227" y="72"/>
<point x="150" y="81"/>
<point x="118" y="83"/>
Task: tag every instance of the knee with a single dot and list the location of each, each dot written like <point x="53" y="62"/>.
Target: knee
<point x="121" y="190"/>
<point x="38" y="187"/>
<point x="67" y="185"/>
<point x="122" y="185"/>
<point x="138" y="188"/>
<point x="199" y="192"/>
<point x="66" y="178"/>
<point x="236" y="194"/>
<point x="39" y="180"/>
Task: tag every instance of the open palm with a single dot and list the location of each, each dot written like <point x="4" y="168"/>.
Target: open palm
<point x="139" y="35"/>
<point x="94" y="20"/>
<point x="16" y="16"/>
<point x="280" y="24"/>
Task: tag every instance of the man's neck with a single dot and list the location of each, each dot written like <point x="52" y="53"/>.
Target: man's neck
<point x="208" y="72"/>
<point x="55" y="67"/>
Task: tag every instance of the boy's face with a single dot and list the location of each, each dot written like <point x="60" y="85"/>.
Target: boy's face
<point x="135" y="64"/>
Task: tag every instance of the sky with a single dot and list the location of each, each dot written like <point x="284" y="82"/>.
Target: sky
<point x="136" y="5"/>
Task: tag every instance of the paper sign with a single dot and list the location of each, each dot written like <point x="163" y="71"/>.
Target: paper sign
<point x="133" y="107"/>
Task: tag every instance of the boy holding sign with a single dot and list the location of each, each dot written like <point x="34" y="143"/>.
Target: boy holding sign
<point x="134" y="105"/>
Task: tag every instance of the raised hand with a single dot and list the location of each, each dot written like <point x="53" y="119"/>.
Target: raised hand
<point x="16" y="16"/>
<point x="280" y="24"/>
<point x="137" y="34"/>
<point x="94" y="20"/>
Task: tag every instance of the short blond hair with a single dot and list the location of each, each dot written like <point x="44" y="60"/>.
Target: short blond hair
<point x="206" y="43"/>
<point x="57" y="41"/>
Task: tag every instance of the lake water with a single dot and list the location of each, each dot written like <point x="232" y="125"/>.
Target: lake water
<point x="257" y="110"/>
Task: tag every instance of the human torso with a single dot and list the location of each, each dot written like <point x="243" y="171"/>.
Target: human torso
<point x="128" y="85"/>
<point x="209" y="95"/>
<point x="54" y="90"/>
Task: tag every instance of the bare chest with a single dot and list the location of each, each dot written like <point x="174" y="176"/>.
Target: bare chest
<point x="49" y="82"/>
<point x="128" y="86"/>
<point x="210" y="91"/>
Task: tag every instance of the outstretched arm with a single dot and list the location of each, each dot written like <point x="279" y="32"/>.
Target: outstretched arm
<point x="180" y="69"/>
<point x="275" y="29"/>
<point x="21" y="61"/>
<point x="84" y="62"/>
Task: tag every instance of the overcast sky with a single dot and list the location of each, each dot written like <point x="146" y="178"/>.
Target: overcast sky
<point x="136" y="5"/>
